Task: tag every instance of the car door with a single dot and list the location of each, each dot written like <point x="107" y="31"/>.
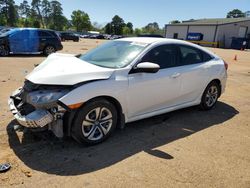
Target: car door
<point x="18" y="41"/>
<point x="45" y="38"/>
<point x="32" y="42"/>
<point x="148" y="92"/>
<point x="194" y="72"/>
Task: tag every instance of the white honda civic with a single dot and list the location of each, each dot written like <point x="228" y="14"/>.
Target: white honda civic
<point x="87" y="96"/>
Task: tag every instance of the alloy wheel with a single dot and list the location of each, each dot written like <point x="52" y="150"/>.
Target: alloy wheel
<point x="211" y="96"/>
<point x="97" y="123"/>
<point x="49" y="50"/>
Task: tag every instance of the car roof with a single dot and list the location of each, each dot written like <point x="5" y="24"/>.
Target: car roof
<point x="152" y="40"/>
<point x="27" y="28"/>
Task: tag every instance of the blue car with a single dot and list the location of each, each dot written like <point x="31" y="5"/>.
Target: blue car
<point x="29" y="41"/>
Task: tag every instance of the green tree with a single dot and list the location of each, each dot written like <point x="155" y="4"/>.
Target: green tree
<point x="80" y="20"/>
<point x="34" y="22"/>
<point x="8" y="12"/>
<point x="151" y="28"/>
<point x="236" y="13"/>
<point x="24" y="9"/>
<point x="37" y="5"/>
<point x="174" y="22"/>
<point x="108" y="28"/>
<point x="137" y="31"/>
<point x="130" y="26"/>
<point x="126" y="31"/>
<point x="46" y="11"/>
<point x="117" y="25"/>
<point x="56" y="17"/>
<point x="24" y="12"/>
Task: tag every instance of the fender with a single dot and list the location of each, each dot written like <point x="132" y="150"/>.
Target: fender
<point x="113" y="87"/>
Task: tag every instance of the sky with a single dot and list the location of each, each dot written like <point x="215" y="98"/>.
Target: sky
<point x="142" y="12"/>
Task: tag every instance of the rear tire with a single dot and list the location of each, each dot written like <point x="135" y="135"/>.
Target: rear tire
<point x="4" y="51"/>
<point x="210" y="96"/>
<point x="94" y="122"/>
<point x="49" y="50"/>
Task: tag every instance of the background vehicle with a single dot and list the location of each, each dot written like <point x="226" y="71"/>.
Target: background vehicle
<point x="118" y="82"/>
<point x="96" y="36"/>
<point x="69" y="36"/>
<point x="29" y="41"/>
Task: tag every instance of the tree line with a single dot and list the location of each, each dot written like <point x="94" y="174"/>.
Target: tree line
<point x="41" y="14"/>
<point x="49" y="14"/>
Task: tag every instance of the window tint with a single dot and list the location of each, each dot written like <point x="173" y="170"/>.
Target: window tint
<point x="44" y="34"/>
<point x="164" y="56"/>
<point x="189" y="55"/>
<point x="206" y="57"/>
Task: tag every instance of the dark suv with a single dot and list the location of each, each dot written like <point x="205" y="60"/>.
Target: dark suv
<point x="29" y="41"/>
<point x="69" y="36"/>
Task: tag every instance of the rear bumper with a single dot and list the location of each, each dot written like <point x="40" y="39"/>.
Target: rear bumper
<point x="223" y="82"/>
<point x="59" y="47"/>
<point x="36" y="119"/>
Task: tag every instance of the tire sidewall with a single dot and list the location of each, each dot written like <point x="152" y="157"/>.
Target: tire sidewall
<point x="76" y="129"/>
<point x="44" y="51"/>
<point x="203" y="104"/>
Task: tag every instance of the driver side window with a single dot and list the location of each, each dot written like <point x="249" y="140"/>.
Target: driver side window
<point x="164" y="56"/>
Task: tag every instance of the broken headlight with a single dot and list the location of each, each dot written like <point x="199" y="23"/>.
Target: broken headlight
<point x="45" y="98"/>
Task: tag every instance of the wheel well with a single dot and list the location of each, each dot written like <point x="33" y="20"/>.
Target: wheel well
<point x="69" y="116"/>
<point x="116" y="103"/>
<point x="219" y="84"/>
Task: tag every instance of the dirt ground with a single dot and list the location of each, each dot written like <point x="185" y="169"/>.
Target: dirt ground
<point x="185" y="148"/>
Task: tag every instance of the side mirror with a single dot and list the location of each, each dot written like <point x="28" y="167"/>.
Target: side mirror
<point x="146" y="67"/>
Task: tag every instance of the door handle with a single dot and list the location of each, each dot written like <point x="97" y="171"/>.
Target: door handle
<point x="175" y="75"/>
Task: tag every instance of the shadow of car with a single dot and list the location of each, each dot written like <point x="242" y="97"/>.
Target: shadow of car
<point x="45" y="153"/>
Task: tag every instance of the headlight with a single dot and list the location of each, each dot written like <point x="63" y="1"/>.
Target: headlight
<point x="45" y="97"/>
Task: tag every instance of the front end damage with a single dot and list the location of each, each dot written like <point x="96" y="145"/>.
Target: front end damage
<point x="36" y="106"/>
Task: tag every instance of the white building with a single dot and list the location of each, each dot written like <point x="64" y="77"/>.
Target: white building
<point x="215" y="31"/>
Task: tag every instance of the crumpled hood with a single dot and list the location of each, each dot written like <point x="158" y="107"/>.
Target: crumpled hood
<point x="66" y="69"/>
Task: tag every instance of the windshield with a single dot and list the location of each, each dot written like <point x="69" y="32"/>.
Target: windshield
<point x="6" y="32"/>
<point x="114" y="54"/>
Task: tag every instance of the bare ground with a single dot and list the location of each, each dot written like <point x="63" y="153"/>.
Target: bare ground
<point x="185" y="148"/>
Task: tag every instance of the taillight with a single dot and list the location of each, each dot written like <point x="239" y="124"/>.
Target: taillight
<point x="225" y="65"/>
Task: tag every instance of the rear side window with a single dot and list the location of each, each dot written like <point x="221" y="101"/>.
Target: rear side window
<point x="206" y="57"/>
<point x="44" y="34"/>
<point x="164" y="56"/>
<point x="189" y="55"/>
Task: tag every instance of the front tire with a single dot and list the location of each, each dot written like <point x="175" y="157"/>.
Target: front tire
<point x="94" y="122"/>
<point x="4" y="51"/>
<point x="210" y="96"/>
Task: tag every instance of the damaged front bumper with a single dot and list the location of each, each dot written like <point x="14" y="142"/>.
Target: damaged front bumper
<point x="30" y="117"/>
<point x="36" y="119"/>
